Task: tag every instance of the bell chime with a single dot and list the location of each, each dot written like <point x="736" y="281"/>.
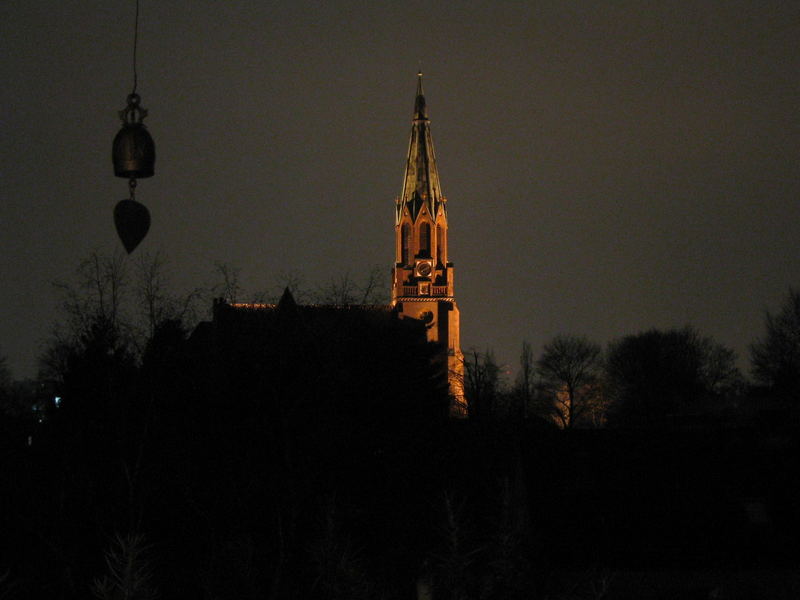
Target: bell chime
<point x="134" y="156"/>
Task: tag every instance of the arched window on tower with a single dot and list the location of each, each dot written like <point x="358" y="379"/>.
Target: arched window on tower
<point x="425" y="239"/>
<point x="405" y="244"/>
<point x="439" y="244"/>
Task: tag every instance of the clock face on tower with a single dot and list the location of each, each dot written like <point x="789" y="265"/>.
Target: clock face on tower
<point x="424" y="268"/>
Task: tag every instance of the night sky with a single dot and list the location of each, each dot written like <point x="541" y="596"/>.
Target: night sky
<point x="610" y="166"/>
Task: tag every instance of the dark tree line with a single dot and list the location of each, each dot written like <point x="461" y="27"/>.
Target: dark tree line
<point x="287" y="452"/>
<point x="645" y="379"/>
<point x="655" y="378"/>
<point x="301" y="452"/>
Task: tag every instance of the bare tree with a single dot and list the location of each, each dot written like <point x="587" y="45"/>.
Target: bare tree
<point x="373" y="288"/>
<point x="524" y="389"/>
<point x="481" y="382"/>
<point x="718" y="370"/>
<point x="775" y="358"/>
<point x="570" y="378"/>
<point x="346" y="291"/>
<point x="97" y="292"/>
<point x="339" y="292"/>
<point x="657" y="375"/>
<point x="157" y="303"/>
<point x="120" y="303"/>
<point x="229" y="288"/>
<point x="96" y="314"/>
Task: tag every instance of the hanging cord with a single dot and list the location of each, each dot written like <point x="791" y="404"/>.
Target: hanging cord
<point x="135" y="44"/>
<point x="133" y="113"/>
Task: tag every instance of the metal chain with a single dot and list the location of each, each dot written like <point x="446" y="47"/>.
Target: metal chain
<point x="135" y="44"/>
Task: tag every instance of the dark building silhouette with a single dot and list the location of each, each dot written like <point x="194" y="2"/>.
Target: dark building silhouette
<point x="422" y="275"/>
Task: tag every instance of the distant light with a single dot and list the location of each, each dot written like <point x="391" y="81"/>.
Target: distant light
<point x="57" y="400"/>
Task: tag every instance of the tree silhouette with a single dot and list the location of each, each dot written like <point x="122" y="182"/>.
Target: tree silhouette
<point x="481" y="383"/>
<point x="522" y="397"/>
<point x="570" y="368"/>
<point x="775" y="358"/>
<point x="346" y="291"/>
<point x="656" y="375"/>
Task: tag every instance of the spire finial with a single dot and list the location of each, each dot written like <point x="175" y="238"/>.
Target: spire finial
<point x="419" y="104"/>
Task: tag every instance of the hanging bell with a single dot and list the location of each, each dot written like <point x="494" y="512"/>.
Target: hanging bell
<point x="134" y="152"/>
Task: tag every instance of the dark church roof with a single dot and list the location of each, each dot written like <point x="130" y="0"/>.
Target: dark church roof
<point x="351" y="353"/>
<point x="309" y="318"/>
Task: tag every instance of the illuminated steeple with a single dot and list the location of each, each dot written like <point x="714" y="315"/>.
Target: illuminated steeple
<point x="421" y="183"/>
<point x="422" y="278"/>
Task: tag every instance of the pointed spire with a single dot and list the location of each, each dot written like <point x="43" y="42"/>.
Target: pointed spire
<point x="421" y="182"/>
<point x="287" y="302"/>
<point x="419" y="104"/>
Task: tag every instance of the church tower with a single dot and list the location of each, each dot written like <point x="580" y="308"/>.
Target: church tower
<point x="422" y="278"/>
